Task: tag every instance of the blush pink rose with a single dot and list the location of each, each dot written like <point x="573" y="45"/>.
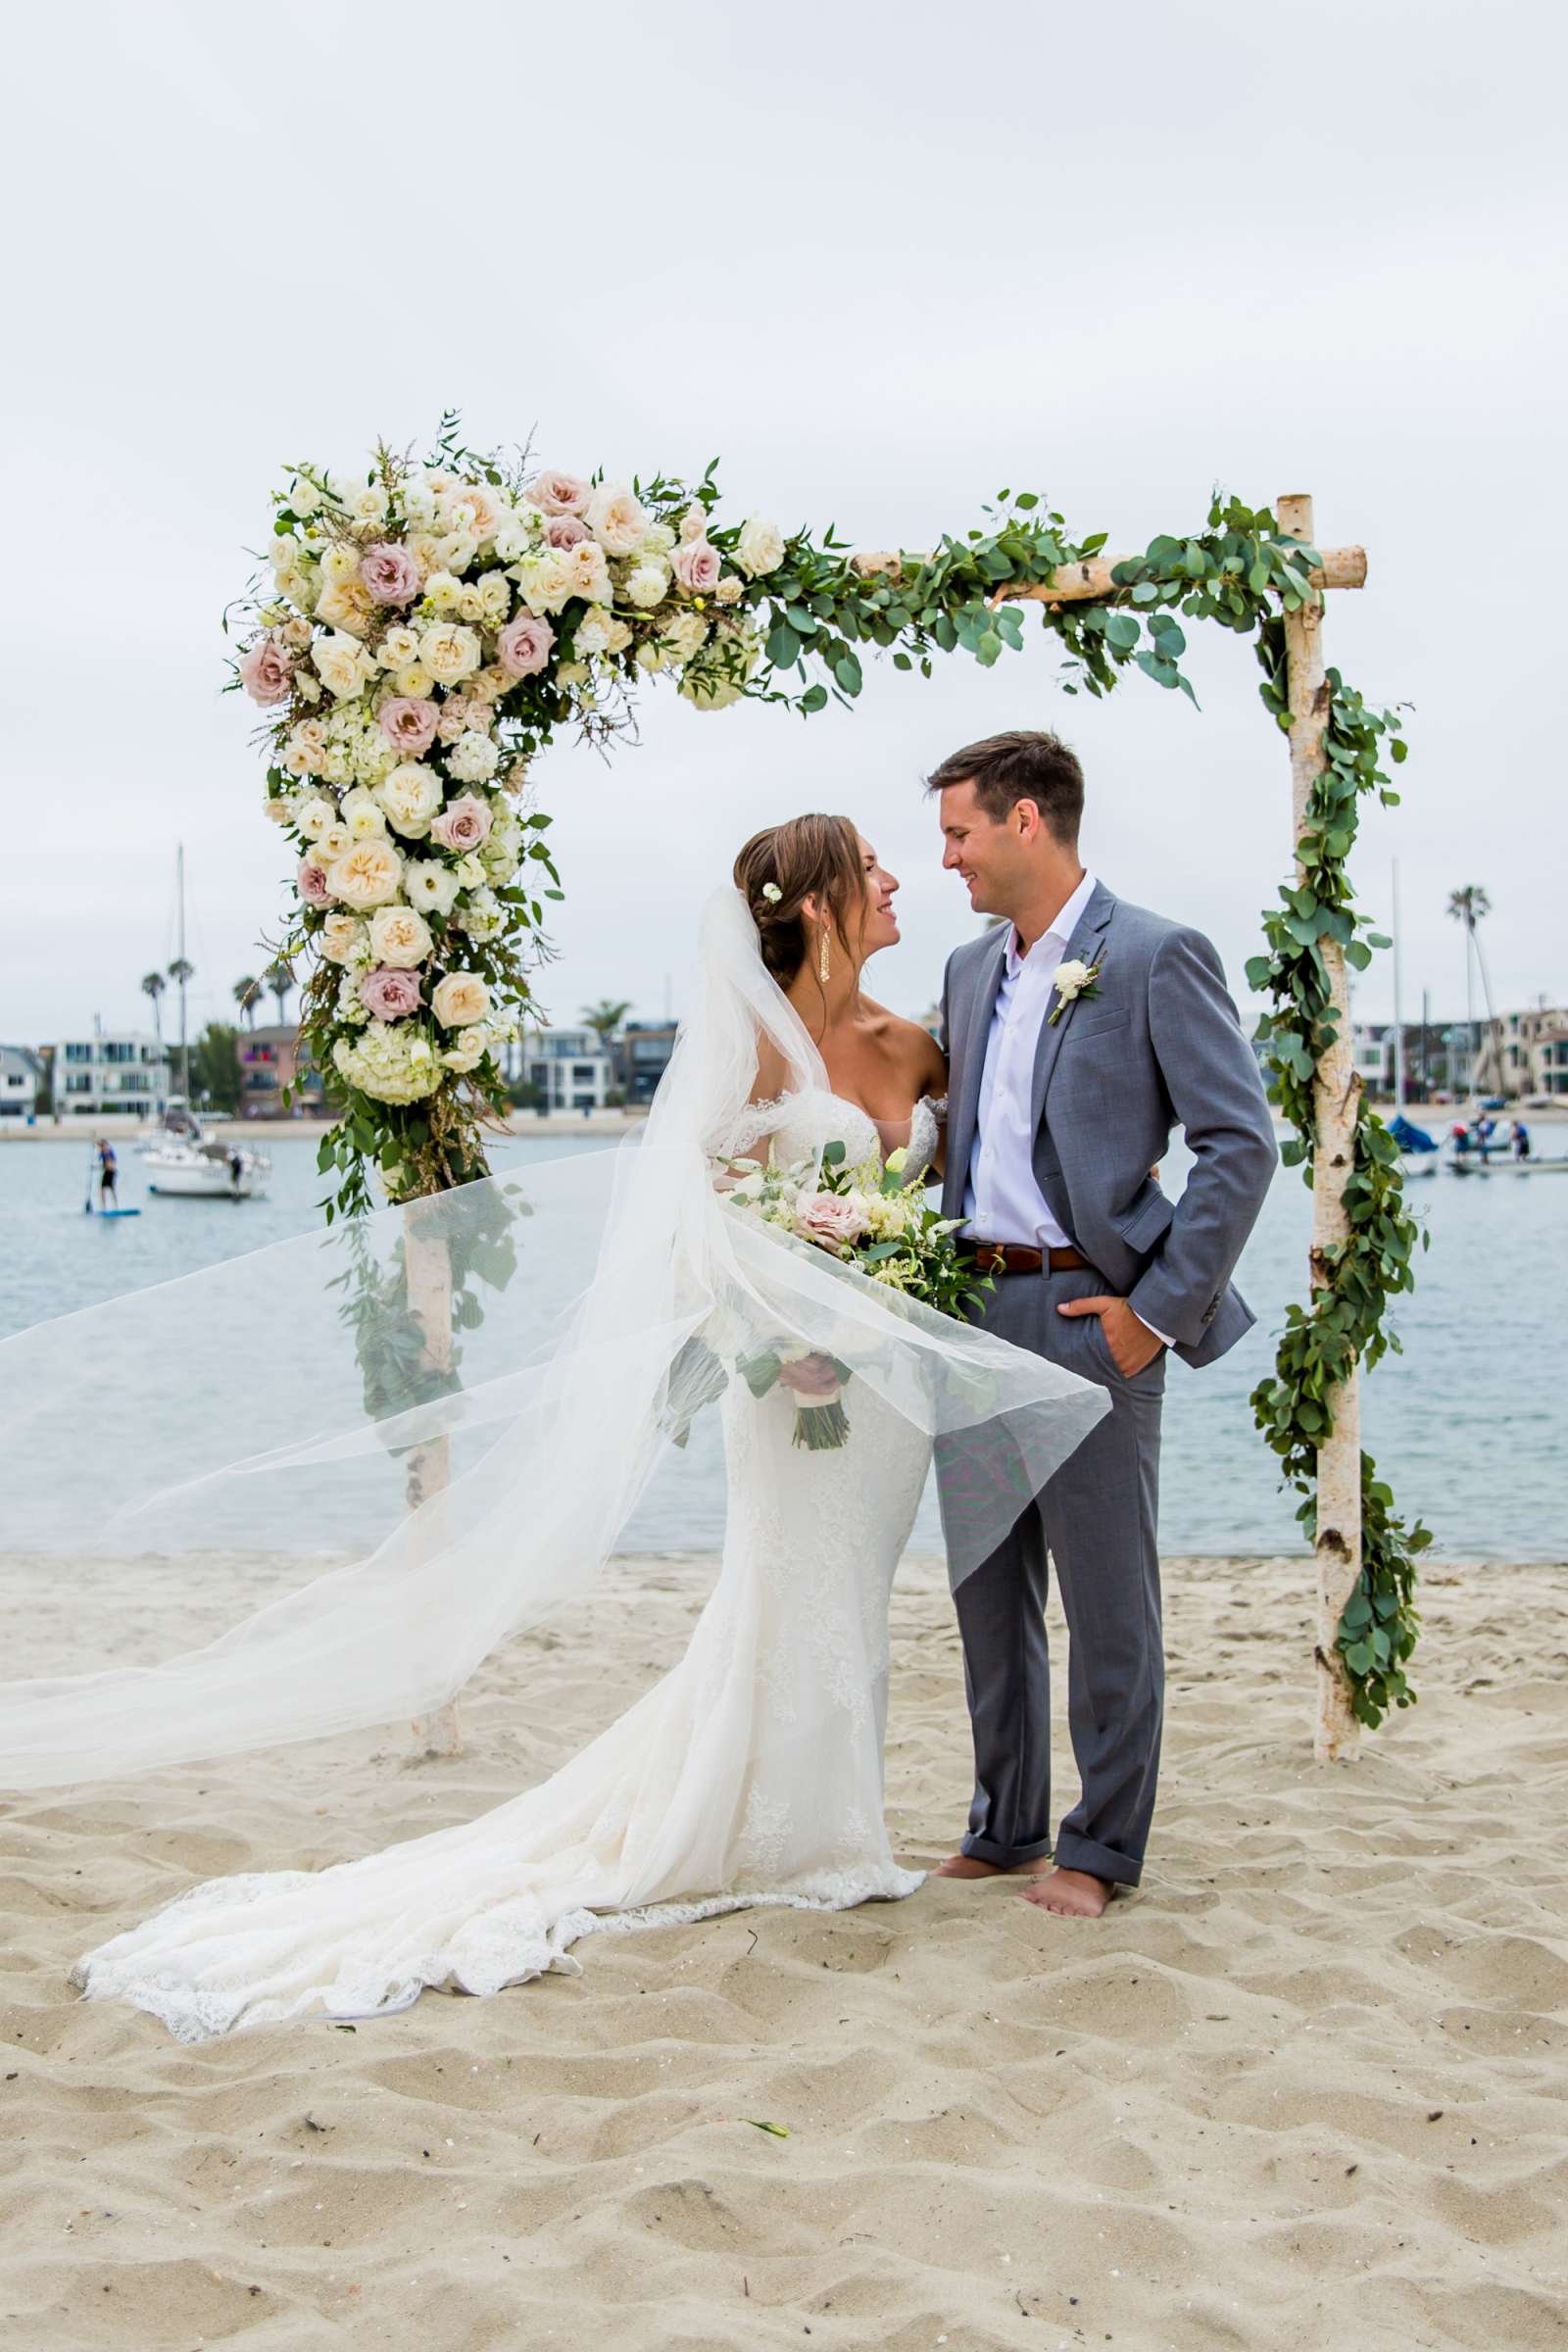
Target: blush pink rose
<point x="312" y="881"/>
<point x="409" y="722"/>
<point x="390" y="573"/>
<point x="461" y="825"/>
<point x="524" y="645"/>
<point x="830" y="1218"/>
<point x="559" y="493"/>
<point x="697" y="566"/>
<point x="563" y="531"/>
<point x="390" y="995"/>
<point x="266" y="672"/>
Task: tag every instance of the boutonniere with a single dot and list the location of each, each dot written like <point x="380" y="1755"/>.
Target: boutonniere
<point x="1073" y="980"/>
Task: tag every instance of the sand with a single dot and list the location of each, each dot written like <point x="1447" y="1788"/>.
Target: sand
<point x="1305" y="2089"/>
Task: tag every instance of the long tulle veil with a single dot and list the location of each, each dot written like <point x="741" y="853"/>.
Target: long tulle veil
<point x="423" y="1432"/>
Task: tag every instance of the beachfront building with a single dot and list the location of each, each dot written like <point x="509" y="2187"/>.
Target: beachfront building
<point x="22" y="1081"/>
<point x="1524" y="1052"/>
<point x="124" y="1073"/>
<point x="566" y="1069"/>
<point x="271" y="1059"/>
<point x="640" y="1054"/>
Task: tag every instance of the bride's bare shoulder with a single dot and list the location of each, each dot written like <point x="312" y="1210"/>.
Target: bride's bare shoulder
<point x="772" y="1073"/>
<point x="912" y="1048"/>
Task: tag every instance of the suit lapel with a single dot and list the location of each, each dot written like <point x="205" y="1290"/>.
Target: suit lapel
<point x="973" y="1061"/>
<point x="1086" y="944"/>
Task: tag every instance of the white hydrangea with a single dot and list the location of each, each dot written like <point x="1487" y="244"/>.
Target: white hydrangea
<point x="351" y="1005"/>
<point x="481" y="915"/>
<point x="473" y="758"/>
<point x="391" y="1062"/>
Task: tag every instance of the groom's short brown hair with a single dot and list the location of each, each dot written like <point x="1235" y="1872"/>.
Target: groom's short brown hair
<point x="1026" y="764"/>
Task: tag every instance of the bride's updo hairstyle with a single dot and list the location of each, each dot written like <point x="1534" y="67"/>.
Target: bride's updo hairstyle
<point x="808" y="858"/>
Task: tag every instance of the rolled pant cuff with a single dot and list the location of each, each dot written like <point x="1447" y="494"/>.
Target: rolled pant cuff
<point x="1005" y="1858"/>
<point x="1099" y="1861"/>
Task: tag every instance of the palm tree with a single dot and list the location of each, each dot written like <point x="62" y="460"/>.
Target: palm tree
<point x="605" y="1017"/>
<point x="1470" y="906"/>
<point x="153" y="985"/>
<point x="279" y="979"/>
<point x="246" y="992"/>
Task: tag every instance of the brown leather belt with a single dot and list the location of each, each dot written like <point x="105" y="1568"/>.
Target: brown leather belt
<point x="1012" y="1258"/>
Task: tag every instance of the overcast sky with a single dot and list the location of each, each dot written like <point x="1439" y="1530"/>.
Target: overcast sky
<point x="880" y="261"/>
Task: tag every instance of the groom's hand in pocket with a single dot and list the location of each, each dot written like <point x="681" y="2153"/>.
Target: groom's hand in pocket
<point x="1133" y="1346"/>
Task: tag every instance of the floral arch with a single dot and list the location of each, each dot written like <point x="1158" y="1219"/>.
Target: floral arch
<point x="430" y="625"/>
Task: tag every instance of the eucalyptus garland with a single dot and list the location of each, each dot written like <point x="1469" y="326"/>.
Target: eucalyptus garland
<point x="572" y="591"/>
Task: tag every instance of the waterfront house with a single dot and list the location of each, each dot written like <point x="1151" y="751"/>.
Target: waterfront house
<point x="22" y="1081"/>
<point x="122" y="1071"/>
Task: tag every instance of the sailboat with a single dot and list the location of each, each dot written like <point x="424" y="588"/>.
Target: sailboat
<point x="182" y="1161"/>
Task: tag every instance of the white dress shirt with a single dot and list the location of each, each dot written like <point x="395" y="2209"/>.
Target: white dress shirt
<point x="1002" y="1201"/>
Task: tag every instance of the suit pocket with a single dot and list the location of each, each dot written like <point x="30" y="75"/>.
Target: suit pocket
<point x="1141" y="1225"/>
<point x="1094" y="1024"/>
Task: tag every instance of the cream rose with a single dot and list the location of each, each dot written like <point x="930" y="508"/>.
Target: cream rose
<point x="367" y="876"/>
<point x="400" y="937"/>
<point x="399" y="647"/>
<point x="587" y="573"/>
<point x="348" y="605"/>
<point x="460" y="999"/>
<point x="341" y="938"/>
<point x="361" y="814"/>
<point x="616" y="519"/>
<point x="450" y="652"/>
<point x="761" y="548"/>
<point x="343" y="665"/>
<point x="410" y="795"/>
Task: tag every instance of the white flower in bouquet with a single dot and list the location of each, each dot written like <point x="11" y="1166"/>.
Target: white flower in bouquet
<point x="597" y="631"/>
<point x="296" y="632"/>
<point x="544" y="581"/>
<point x="366" y="875"/>
<point x="431" y="886"/>
<point x="361" y="814"/>
<point x="336" y="842"/>
<point x="414" y="682"/>
<point x="473" y="758"/>
<point x="374" y="757"/>
<point x="400" y="937"/>
<point x="307" y="687"/>
<point x="693" y="522"/>
<point x="457" y="550"/>
<point x="308" y="739"/>
<point x="517" y="531"/>
<point x="646" y="584"/>
<point x="392" y="1061"/>
<point x="449" y="651"/>
<point x="501" y="852"/>
<point x="481" y="915"/>
<point x="471" y="604"/>
<point x="417" y="497"/>
<point x="616" y="519"/>
<point x="342" y="664"/>
<point x="349" y="1006"/>
<point x="443" y="593"/>
<point x="340" y="562"/>
<point x="587" y="573"/>
<point x="410" y="797"/>
<point x="279" y="811"/>
<point x="341" y="938"/>
<point x="426" y="548"/>
<point x="369" y="503"/>
<point x="297" y="760"/>
<point x="399" y="647"/>
<point x="685" y="635"/>
<point x="652" y="656"/>
<point x="303" y="497"/>
<point x="348" y="605"/>
<point x="460" y="999"/>
<point x="494" y="591"/>
<point x="760" y="548"/>
<point x="658" y="539"/>
<point x="731" y="588"/>
<point x="337" y="764"/>
<point x="313" y="816"/>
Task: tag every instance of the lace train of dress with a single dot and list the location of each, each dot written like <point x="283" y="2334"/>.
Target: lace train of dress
<point x="752" y="1773"/>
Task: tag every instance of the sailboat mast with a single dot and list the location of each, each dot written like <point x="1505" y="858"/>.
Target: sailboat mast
<point x="184" y="1042"/>
<point x="1398" y="1006"/>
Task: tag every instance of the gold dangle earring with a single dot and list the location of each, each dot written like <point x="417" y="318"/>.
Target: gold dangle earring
<point x="823" y="962"/>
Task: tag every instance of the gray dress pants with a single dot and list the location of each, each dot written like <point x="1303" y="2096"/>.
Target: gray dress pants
<point x="1097" y="1519"/>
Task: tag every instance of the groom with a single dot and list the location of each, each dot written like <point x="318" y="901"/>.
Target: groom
<point x="1080" y="1032"/>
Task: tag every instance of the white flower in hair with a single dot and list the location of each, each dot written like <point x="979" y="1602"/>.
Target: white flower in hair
<point x="772" y="893"/>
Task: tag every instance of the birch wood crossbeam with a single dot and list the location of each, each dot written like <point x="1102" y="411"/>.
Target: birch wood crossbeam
<point x="1343" y="567"/>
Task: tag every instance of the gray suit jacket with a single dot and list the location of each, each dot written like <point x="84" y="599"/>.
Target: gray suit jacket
<point x="1159" y="1046"/>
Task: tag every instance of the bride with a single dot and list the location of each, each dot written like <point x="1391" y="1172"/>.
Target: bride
<point x="752" y="1773"/>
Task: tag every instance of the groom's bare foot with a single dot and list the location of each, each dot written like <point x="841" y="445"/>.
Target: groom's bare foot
<point x="1070" y="1893"/>
<point x="970" y="1866"/>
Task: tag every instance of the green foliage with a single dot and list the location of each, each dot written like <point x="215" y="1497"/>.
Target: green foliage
<point x="214" y="1067"/>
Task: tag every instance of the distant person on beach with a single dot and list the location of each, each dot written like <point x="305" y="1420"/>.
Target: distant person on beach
<point x="1519" y="1137"/>
<point x="236" y="1168"/>
<point x="107" y="1174"/>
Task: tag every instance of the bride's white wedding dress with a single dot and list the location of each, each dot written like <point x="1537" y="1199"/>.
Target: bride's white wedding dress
<point x="752" y="1773"/>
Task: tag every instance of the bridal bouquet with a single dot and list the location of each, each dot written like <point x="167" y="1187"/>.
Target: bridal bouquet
<point x="868" y="1216"/>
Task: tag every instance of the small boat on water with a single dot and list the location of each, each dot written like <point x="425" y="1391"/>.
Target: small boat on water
<point x="204" y="1169"/>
